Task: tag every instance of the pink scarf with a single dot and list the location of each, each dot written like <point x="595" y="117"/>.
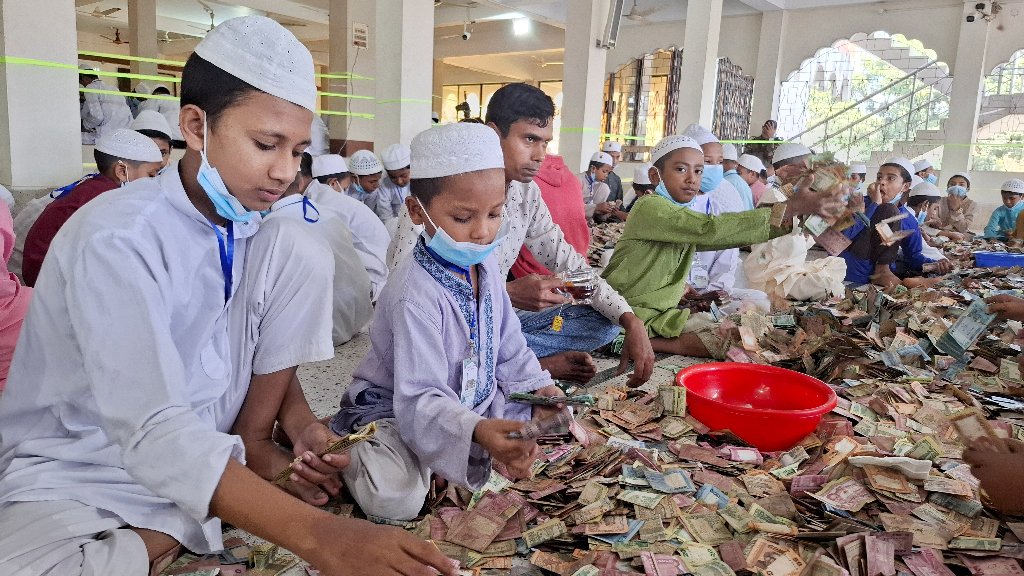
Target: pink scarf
<point x="14" y="297"/>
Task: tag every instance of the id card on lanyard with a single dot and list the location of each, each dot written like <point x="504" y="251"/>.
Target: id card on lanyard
<point x="470" y="366"/>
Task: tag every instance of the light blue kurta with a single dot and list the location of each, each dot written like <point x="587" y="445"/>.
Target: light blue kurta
<point x="413" y="372"/>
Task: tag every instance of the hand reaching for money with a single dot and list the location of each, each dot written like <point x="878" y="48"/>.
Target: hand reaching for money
<point x="359" y="548"/>
<point x="1006" y="307"/>
<point x="1000" y="473"/>
<point x="551" y="391"/>
<point x="316" y="479"/>
<point x="516" y="454"/>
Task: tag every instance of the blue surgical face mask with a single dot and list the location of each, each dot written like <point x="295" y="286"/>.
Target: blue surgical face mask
<point x="958" y="191"/>
<point x="359" y="187"/>
<point x="921" y="216"/>
<point x="932" y="179"/>
<point x="711" y="177"/>
<point x="463" y="254"/>
<point x="227" y="206"/>
<point x="896" y="200"/>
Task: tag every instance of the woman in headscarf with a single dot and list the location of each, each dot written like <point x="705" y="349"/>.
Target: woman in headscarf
<point x="13" y="297"/>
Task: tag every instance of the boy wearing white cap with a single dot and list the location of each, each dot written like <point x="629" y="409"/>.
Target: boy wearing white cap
<point x="1004" y="219"/>
<point x="595" y="191"/>
<point x="321" y="184"/>
<point x="868" y="258"/>
<point x="858" y="175"/>
<point x="157" y="313"/>
<point x="352" y="291"/>
<point x="730" y="163"/>
<point x="925" y="171"/>
<point x="614" y="149"/>
<point x="914" y="252"/>
<point x="713" y="180"/>
<point x="167" y="107"/>
<point x="642" y="185"/>
<point x="652" y="259"/>
<point x="446" y="346"/>
<point x="101" y="112"/>
<point x="366" y="174"/>
<point x="522" y="116"/>
<point x="152" y="124"/>
<point x="749" y="168"/>
<point x="121" y="157"/>
<point x="394" y="186"/>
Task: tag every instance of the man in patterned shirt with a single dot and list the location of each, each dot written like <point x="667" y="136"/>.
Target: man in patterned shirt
<point x="522" y="116"/>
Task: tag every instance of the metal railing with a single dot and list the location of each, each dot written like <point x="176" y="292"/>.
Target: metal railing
<point x="856" y="105"/>
<point x="922" y="105"/>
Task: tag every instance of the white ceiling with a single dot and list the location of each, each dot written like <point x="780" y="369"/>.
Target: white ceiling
<point x="308" y="19"/>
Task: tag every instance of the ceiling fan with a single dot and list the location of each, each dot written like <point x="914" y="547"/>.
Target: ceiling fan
<point x="97" y="13"/>
<point x="212" y="15"/>
<point x="639" y="15"/>
<point x="117" y="37"/>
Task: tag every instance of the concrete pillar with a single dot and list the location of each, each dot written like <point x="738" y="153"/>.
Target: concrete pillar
<point x="768" y="75"/>
<point x="699" y="73"/>
<point x="142" y="36"/>
<point x="351" y="132"/>
<point x="404" y="56"/>
<point x="437" y="88"/>
<point x="966" y="93"/>
<point x="40" y="145"/>
<point x="583" y="81"/>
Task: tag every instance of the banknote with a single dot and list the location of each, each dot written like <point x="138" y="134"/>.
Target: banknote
<point x="551" y="529"/>
<point x="672" y="481"/>
<point x="336" y="447"/>
<point x="673" y="398"/>
<point x="557" y="424"/>
<point x="707" y="528"/>
<point x="966" y="330"/>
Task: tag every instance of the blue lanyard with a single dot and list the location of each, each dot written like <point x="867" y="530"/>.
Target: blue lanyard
<point x="455" y="269"/>
<point x="227" y="256"/>
<point x="62" y="192"/>
<point x="307" y="205"/>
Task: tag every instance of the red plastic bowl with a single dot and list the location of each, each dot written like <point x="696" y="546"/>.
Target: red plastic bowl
<point x="770" y="408"/>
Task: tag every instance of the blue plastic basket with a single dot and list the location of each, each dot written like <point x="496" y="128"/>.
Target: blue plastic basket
<point x="997" y="259"/>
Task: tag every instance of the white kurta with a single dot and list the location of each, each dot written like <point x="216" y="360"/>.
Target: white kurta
<point x="530" y="225"/>
<point x="131" y="369"/>
<point x="169" y="109"/>
<point x="102" y="113"/>
<point x="319" y="137"/>
<point x="352" y="307"/>
<point x="389" y="199"/>
<point x="594" y="192"/>
<point x="369" y="235"/>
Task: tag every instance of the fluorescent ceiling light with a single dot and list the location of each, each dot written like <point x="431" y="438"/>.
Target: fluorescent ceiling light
<point x="521" y="26"/>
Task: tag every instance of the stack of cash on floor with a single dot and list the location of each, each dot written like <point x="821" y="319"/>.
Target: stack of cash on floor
<point x="636" y="485"/>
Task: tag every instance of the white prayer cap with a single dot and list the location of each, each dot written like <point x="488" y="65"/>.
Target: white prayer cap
<point x="1014" y="185"/>
<point x="671" y="144"/>
<point x="902" y="163"/>
<point x="964" y="175"/>
<point x="729" y="152"/>
<point x="642" y="175"/>
<point x="915" y="180"/>
<point x="143" y="88"/>
<point x="86" y="68"/>
<point x="602" y="157"/>
<point x="262" y="53"/>
<point x="396" y="157"/>
<point x="129" y="145"/>
<point x="922" y="164"/>
<point x="454" y="149"/>
<point x="152" y="120"/>
<point x="788" y="150"/>
<point x="751" y="162"/>
<point x="611" y="146"/>
<point x="700" y="134"/>
<point x="858" y="168"/>
<point x="925" y="188"/>
<point x="435" y="117"/>
<point x="365" y="163"/>
<point x="328" y="164"/>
